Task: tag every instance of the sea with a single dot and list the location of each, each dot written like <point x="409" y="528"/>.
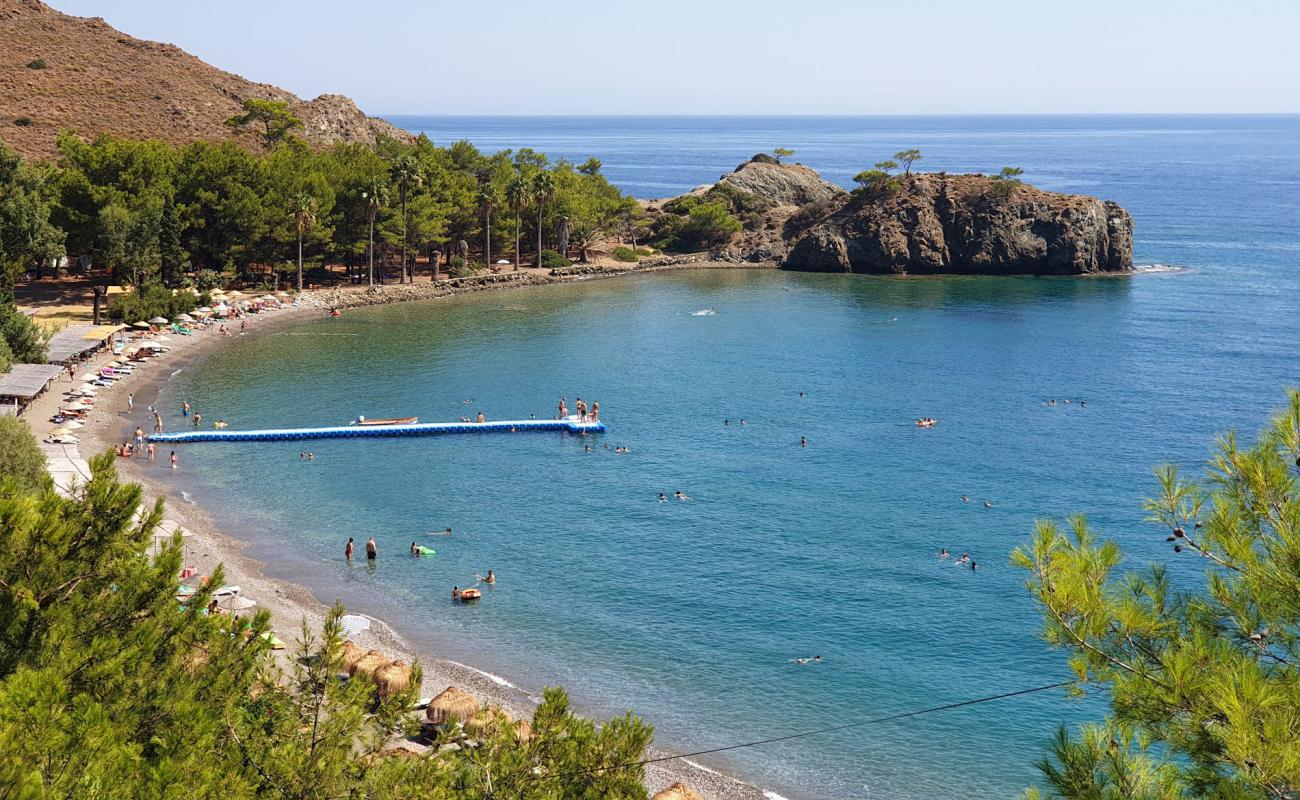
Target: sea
<point x="783" y="406"/>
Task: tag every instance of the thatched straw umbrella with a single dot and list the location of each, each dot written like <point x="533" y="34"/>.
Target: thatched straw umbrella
<point x="392" y="678"/>
<point x="367" y="664"/>
<point x="352" y="653"/>
<point x="523" y="731"/>
<point x="487" y="719"/>
<point x="452" y="704"/>
<point x="678" y="791"/>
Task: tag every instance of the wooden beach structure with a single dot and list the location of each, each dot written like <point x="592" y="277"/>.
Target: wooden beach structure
<point x="569" y="425"/>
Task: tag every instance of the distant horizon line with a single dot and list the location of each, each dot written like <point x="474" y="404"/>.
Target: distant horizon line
<point x="859" y="116"/>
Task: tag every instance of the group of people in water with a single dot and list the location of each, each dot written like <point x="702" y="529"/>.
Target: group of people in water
<point x="417" y="549"/>
<point x="926" y="422"/>
<point x="663" y="498"/>
<point x="582" y="411"/>
<point x="1066" y="401"/>
<point x="963" y="560"/>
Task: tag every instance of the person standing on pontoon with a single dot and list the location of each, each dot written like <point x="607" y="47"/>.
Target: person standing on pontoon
<point x="564" y="409"/>
<point x="595" y="411"/>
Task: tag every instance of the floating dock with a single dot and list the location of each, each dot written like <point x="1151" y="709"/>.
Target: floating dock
<point x="570" y="425"/>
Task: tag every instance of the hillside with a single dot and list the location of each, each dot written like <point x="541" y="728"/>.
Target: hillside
<point x="96" y="80"/>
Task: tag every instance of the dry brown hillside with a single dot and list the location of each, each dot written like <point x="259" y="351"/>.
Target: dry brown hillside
<point x="97" y="79"/>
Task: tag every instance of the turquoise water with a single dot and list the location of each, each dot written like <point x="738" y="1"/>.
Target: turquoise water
<point x="689" y="611"/>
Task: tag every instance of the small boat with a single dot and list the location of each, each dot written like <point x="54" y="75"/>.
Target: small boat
<point x="470" y="595"/>
<point x="389" y="421"/>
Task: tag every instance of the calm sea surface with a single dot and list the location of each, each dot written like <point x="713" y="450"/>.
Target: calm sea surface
<point x="688" y="612"/>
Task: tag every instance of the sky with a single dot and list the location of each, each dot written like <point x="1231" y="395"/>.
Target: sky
<point x="745" y="56"/>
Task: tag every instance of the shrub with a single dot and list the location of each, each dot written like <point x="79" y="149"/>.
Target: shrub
<point x="764" y="158"/>
<point x="153" y="301"/>
<point x="644" y="251"/>
<point x="25" y="339"/>
<point x="37" y="63"/>
<point x="625" y="254"/>
<point x="6" y="356"/>
<point x="458" y="267"/>
<point x="553" y="260"/>
<point x="21" y="458"/>
<point x="24" y="122"/>
<point x="205" y="280"/>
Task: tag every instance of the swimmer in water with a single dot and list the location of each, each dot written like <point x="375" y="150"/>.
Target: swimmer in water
<point x="972" y="565"/>
<point x="800" y="661"/>
<point x="943" y="553"/>
<point x="965" y="498"/>
<point x="678" y="494"/>
<point x="444" y="532"/>
<point x="663" y="498"/>
<point x="414" y="550"/>
<point x="803" y="441"/>
<point x="987" y="504"/>
<point x="491" y="577"/>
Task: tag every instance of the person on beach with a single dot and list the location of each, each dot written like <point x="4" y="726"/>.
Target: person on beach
<point x="130" y="402"/>
<point x="347" y="549"/>
<point x="139" y="437"/>
<point x="372" y="549"/>
<point x="173" y="459"/>
<point x="185" y="408"/>
<point x="150" y="451"/>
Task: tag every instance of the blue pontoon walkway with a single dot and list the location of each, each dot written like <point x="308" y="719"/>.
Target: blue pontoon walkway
<point x="350" y="431"/>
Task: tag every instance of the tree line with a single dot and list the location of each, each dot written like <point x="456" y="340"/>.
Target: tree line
<point x="153" y="213"/>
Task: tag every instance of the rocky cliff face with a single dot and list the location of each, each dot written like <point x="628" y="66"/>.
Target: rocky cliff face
<point x="967" y="224"/>
<point x="59" y="72"/>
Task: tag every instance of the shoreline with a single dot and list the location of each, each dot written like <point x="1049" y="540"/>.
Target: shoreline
<point x="288" y="602"/>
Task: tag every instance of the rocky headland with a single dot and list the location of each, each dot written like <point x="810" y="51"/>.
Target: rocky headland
<point x="921" y="224"/>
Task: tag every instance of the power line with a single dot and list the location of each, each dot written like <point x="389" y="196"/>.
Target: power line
<point x="818" y="732"/>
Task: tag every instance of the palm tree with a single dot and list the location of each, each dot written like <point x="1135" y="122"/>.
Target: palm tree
<point x="304" y="217"/>
<point x="406" y="174"/>
<point x="374" y="199"/>
<point x="517" y="192"/>
<point x="487" y="201"/>
<point x="543" y="191"/>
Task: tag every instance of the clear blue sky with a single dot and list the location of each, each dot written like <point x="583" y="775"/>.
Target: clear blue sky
<point x="750" y="56"/>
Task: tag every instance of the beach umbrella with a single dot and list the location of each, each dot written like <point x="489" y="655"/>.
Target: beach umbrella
<point x="352" y="653"/>
<point x="72" y="425"/>
<point x="392" y="678"/>
<point x="141" y="324"/>
<point x="185" y="318"/>
<point x="195" y="581"/>
<point x="453" y="704"/>
<point x="352" y="624"/>
<point x="203" y="310"/>
<point x="266" y="298"/>
<point x="158" y="321"/>
<point x="678" y="791"/>
<point x="283" y="294"/>
<point x="236" y="294"/>
<point x="235" y="603"/>
<point x="367" y="664"/>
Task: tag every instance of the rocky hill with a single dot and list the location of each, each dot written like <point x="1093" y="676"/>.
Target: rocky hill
<point x="926" y="223"/>
<point x="935" y="223"/>
<point x="62" y="72"/>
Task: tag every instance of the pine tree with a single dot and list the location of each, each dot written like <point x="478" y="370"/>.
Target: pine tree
<point x="1205" y="681"/>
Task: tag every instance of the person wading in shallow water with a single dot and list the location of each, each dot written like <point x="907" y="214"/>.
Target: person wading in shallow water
<point x="372" y="549"/>
<point x="347" y="551"/>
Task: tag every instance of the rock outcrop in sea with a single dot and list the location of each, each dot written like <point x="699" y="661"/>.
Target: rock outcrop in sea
<point x="924" y="223"/>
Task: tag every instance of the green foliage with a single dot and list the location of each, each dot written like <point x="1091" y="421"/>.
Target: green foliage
<point x="874" y="181"/>
<point x="627" y="254"/>
<point x="205" y="280"/>
<point x="590" y="167"/>
<point x="1204" y="682"/>
<point x="6" y="356"/>
<point x="150" y="302"/>
<point x="705" y="224"/>
<point x="781" y="152"/>
<point x="27" y="236"/>
<point x="22" y="464"/>
<point x="273" y="115"/>
<point x="553" y="260"/>
<point x="24" y="337"/>
<point x="907" y="158"/>
<point x="763" y="158"/>
<point x="1007" y="180"/>
<point x="37" y="63"/>
<point x="458" y="267"/>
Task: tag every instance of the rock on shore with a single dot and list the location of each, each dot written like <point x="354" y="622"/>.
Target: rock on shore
<point x="935" y="223"/>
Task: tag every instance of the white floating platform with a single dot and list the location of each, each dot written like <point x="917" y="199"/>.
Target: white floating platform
<point x="569" y="425"/>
